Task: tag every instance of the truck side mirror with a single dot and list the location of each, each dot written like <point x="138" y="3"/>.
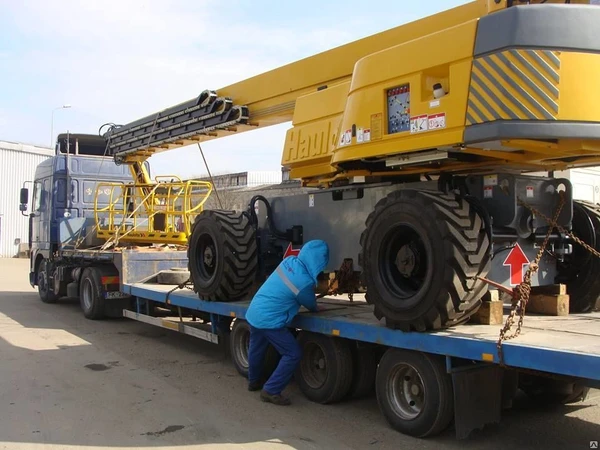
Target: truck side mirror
<point x="24" y="199"/>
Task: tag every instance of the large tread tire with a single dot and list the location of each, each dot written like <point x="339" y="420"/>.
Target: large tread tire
<point x="239" y="341"/>
<point x="331" y="382"/>
<point x="580" y="270"/>
<point x="45" y="288"/>
<point x="457" y="248"/>
<point x="222" y="255"/>
<point x="434" y="392"/>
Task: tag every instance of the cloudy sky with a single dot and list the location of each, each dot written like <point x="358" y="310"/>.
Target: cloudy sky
<point x="116" y="61"/>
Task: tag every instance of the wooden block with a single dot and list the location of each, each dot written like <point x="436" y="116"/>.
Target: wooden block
<point x="552" y="305"/>
<point x="491" y="310"/>
<point x="551" y="289"/>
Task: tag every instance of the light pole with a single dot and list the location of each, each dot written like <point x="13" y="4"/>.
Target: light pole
<point x="52" y="123"/>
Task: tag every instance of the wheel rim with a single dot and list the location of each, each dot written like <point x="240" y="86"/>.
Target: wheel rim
<point x="87" y="294"/>
<point x="314" y="366"/>
<point x="406" y="391"/>
<point x="241" y="350"/>
<point x="206" y="261"/>
<point x="403" y="263"/>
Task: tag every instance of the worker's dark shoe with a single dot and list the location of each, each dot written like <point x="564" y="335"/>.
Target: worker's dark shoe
<point x="275" y="399"/>
<point x="255" y="386"/>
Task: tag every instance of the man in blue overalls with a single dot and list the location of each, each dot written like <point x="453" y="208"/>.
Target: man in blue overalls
<point x="272" y="309"/>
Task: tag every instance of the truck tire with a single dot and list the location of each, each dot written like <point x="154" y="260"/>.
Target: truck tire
<point x="421" y="255"/>
<point x="45" y="290"/>
<point x="579" y="270"/>
<point x="324" y="374"/>
<point x="91" y="294"/>
<point x="414" y="392"/>
<point x="364" y="362"/>
<point x="239" y="341"/>
<point x="546" y="390"/>
<point x="222" y="254"/>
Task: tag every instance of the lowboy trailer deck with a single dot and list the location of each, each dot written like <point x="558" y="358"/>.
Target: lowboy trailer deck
<point x="422" y="380"/>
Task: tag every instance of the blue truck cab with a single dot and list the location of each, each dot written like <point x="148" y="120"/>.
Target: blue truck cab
<point x="61" y="218"/>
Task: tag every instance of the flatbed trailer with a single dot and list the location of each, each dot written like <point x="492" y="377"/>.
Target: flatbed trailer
<point x="458" y="371"/>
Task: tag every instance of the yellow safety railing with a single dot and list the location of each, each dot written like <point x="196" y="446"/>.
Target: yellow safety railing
<point x="161" y="212"/>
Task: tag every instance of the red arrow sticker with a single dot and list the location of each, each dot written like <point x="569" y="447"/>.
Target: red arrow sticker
<point x="290" y="251"/>
<point x="516" y="260"/>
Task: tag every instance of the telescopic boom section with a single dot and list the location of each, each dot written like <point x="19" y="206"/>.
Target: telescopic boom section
<point x="269" y="98"/>
<point x="489" y="85"/>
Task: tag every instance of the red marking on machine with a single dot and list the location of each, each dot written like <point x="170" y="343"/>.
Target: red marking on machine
<point x="516" y="260"/>
<point x="289" y="251"/>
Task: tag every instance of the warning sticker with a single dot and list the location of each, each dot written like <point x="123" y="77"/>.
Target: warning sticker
<point x="367" y="134"/>
<point x="488" y="192"/>
<point x="437" y="121"/>
<point x="359" y="135"/>
<point x="418" y="124"/>
<point x="376" y="126"/>
<point x="529" y="191"/>
<point x="346" y="138"/>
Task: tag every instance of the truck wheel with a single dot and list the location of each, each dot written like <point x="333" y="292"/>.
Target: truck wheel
<point x="45" y="290"/>
<point x="414" y="392"/>
<point x="222" y="254"/>
<point x="324" y="374"/>
<point x="239" y="341"/>
<point x="364" y="361"/>
<point x="579" y="271"/>
<point x="91" y="294"/>
<point x="421" y="254"/>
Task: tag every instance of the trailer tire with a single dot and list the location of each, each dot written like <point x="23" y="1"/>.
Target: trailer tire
<point x="546" y="390"/>
<point x="421" y="255"/>
<point x="222" y="254"/>
<point x="91" y="296"/>
<point x="364" y="361"/>
<point x="239" y="340"/>
<point x="324" y="374"/>
<point x="423" y="408"/>
<point x="45" y="290"/>
<point x="580" y="270"/>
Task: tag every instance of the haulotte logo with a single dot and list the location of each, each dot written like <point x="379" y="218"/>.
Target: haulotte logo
<point x="593" y="444"/>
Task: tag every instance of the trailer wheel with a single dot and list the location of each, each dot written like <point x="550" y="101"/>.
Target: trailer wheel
<point x="421" y="255"/>
<point x="222" y="254"/>
<point x="364" y="361"/>
<point x="45" y="290"/>
<point x="239" y="341"/>
<point x="324" y="374"/>
<point x="91" y="296"/>
<point x="414" y="392"/>
<point x="579" y="271"/>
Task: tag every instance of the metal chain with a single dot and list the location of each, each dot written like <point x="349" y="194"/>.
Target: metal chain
<point x="523" y="290"/>
<point x="343" y="277"/>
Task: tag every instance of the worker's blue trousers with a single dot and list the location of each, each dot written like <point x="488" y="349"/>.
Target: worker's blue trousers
<point x="284" y="342"/>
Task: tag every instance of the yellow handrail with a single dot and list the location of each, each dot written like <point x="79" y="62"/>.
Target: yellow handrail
<point x="161" y="212"/>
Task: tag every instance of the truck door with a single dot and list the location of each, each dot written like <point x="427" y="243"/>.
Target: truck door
<point x="40" y="222"/>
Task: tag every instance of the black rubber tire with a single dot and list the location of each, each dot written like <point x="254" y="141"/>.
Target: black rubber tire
<point x="45" y="290"/>
<point x="336" y="375"/>
<point x="438" y="399"/>
<point x="580" y="270"/>
<point x="91" y="294"/>
<point x="230" y="268"/>
<point x="364" y="362"/>
<point x="457" y="250"/>
<point x="239" y="340"/>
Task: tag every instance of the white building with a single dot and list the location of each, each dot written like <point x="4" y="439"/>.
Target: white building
<point x="17" y="165"/>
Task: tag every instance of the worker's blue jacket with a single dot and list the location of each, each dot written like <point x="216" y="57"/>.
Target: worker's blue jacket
<point x="290" y="286"/>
